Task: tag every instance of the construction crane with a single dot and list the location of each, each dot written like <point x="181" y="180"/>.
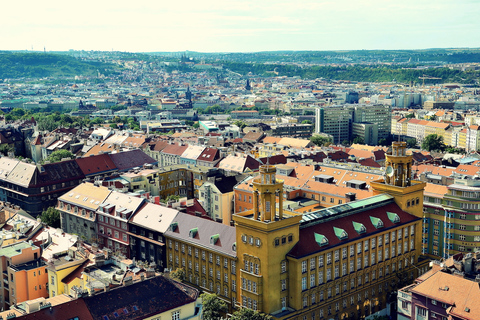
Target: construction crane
<point x="428" y="78"/>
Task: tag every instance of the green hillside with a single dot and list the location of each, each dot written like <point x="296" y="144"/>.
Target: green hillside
<point x="40" y="65"/>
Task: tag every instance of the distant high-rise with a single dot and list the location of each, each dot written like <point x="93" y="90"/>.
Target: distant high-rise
<point x="334" y="121"/>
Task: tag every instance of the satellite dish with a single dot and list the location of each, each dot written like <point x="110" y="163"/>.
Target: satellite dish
<point x="389" y="171"/>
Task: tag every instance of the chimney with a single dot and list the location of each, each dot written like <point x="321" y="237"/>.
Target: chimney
<point x="127" y="281"/>
<point x="351" y="196"/>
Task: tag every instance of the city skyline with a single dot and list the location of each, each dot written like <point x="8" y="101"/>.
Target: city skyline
<point x="232" y="26"/>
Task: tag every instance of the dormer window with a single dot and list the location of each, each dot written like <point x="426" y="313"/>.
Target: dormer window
<point x="340" y="233"/>
<point x="214" y="239"/>
<point x="321" y="239"/>
<point x="377" y="223"/>
<point x="193" y="233"/>
<point x="393" y="217"/>
<point x="359" y="227"/>
<point x="174" y="226"/>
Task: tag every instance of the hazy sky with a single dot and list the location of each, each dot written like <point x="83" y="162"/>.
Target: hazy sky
<point x="241" y="25"/>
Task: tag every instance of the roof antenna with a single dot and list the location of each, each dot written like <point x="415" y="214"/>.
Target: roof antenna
<point x="268" y="160"/>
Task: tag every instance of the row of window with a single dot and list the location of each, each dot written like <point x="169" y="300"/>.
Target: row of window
<point x="113" y="222"/>
<point x="322" y="277"/>
<point x="68" y="207"/>
<point x="203" y="283"/>
<point x="116" y="234"/>
<point x="203" y="253"/>
<point x="204" y="267"/>
<point x="365" y="246"/>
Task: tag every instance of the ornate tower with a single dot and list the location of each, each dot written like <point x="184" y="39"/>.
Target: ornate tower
<point x="266" y="188"/>
<point x="264" y="236"/>
<point x="398" y="181"/>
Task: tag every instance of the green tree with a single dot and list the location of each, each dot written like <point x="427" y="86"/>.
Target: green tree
<point x="97" y="120"/>
<point x="358" y="140"/>
<point x="249" y="314"/>
<point x="320" y="140"/>
<point x="433" y="142"/>
<point x="57" y="156"/>
<point x="170" y="198"/>
<point x="6" y="148"/>
<point x="306" y="122"/>
<point x="178" y="274"/>
<point x="214" y="308"/>
<point x="113" y="126"/>
<point x="51" y="217"/>
<point x="239" y="123"/>
<point x="411" y="143"/>
<point x="410" y="116"/>
<point x="432" y="117"/>
<point x="196" y="125"/>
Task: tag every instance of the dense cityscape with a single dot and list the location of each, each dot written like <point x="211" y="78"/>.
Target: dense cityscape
<point x="271" y="185"/>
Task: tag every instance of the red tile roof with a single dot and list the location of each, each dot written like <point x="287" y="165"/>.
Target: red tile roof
<point x="307" y="244"/>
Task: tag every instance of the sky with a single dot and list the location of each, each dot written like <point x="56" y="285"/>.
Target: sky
<point x="238" y="25"/>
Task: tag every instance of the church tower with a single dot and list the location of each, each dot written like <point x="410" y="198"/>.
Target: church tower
<point x="398" y="180"/>
<point x="248" y="87"/>
<point x="264" y="236"/>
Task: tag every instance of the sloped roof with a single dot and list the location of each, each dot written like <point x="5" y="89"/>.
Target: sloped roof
<point x="154" y="217"/>
<point x="174" y="149"/>
<point x="86" y="195"/>
<point x="192" y="152"/>
<point x="131" y="159"/>
<point x="58" y="172"/>
<point x="206" y="229"/>
<point x="307" y="244"/>
<point x="209" y="154"/>
<point x="151" y="296"/>
<point x="238" y="163"/>
<point x="95" y="164"/>
<point x="462" y="293"/>
<point x="68" y="310"/>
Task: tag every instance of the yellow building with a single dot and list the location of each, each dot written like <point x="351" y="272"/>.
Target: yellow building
<point x="206" y="251"/>
<point x="58" y="271"/>
<point x="336" y="262"/>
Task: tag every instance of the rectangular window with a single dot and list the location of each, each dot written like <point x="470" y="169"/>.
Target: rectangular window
<point x="176" y="315"/>
<point x="320" y="260"/>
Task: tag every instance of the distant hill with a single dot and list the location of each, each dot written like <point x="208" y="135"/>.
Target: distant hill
<point x="39" y="65"/>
